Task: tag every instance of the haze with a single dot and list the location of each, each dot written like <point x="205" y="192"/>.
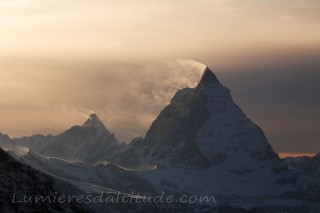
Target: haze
<point x="125" y="59"/>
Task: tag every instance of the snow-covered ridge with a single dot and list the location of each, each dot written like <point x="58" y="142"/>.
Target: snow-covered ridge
<point x="91" y="142"/>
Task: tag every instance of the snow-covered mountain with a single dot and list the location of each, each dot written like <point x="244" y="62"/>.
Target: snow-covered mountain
<point x="18" y="180"/>
<point x="92" y="142"/>
<point x="202" y="143"/>
<point x="201" y="127"/>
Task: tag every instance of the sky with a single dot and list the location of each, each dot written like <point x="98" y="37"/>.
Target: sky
<point x="62" y="60"/>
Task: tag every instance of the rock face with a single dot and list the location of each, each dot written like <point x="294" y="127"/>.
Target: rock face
<point x="90" y="143"/>
<point x="201" y="127"/>
<point x="17" y="180"/>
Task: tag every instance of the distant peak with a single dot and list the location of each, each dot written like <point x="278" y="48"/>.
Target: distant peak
<point x="93" y="121"/>
<point x="94" y="116"/>
<point x="208" y="77"/>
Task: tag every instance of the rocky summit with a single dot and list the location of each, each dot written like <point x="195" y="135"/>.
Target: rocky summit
<point x="201" y="127"/>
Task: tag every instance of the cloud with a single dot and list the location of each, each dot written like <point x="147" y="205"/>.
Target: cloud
<point x="287" y="18"/>
<point x="127" y="96"/>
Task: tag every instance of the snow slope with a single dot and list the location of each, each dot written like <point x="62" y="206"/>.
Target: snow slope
<point x="107" y="177"/>
<point x="17" y="180"/>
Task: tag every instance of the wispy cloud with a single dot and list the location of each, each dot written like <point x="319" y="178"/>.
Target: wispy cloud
<point x="127" y="97"/>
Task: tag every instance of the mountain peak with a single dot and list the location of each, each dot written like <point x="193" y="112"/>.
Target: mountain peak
<point x="93" y="121"/>
<point x="203" y="127"/>
<point x="208" y="77"/>
<point x="94" y="116"/>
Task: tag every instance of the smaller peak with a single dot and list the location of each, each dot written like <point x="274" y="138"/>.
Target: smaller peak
<point x="4" y="137"/>
<point x="93" y="121"/>
<point x="208" y="77"/>
<point x="94" y="116"/>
